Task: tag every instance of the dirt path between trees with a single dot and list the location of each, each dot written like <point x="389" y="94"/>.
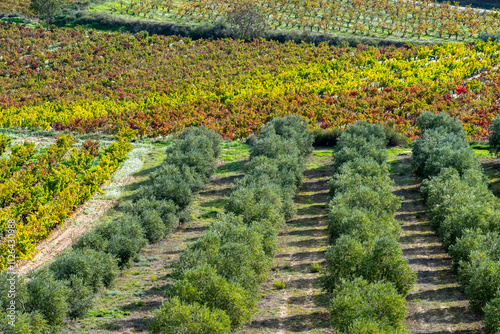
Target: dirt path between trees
<point x="436" y="304"/>
<point x="301" y="307"/>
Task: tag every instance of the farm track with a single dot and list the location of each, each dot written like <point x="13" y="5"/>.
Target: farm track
<point x="301" y="307"/>
<point x="436" y="304"/>
<point x="140" y="289"/>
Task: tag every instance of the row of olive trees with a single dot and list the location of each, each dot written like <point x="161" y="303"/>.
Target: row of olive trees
<point x="66" y="287"/>
<point x="217" y="277"/>
<point x="365" y="268"/>
<point x="465" y="214"/>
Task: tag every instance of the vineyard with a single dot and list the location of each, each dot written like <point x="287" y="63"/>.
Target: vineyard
<point x="88" y="81"/>
<point x="40" y="188"/>
<point x="410" y="19"/>
<point x="167" y="184"/>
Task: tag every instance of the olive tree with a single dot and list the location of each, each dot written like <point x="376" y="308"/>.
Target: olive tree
<point x="47" y="9"/>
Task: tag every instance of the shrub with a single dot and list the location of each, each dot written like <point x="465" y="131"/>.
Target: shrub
<point x="248" y="20"/>
<point x="438" y="149"/>
<point x="96" y="268"/>
<point x="358" y="301"/>
<point x="293" y="128"/>
<point x="47" y="296"/>
<point x="481" y="277"/>
<point x="381" y="261"/>
<point x="343" y="154"/>
<point x="274" y="146"/>
<point x="381" y="202"/>
<point x="203" y="251"/>
<point x="361" y="171"/>
<point x="492" y="316"/>
<point x="474" y="240"/>
<point x="387" y="263"/>
<point x="344" y="260"/>
<point x="176" y="316"/>
<point x="157" y="217"/>
<point x="173" y="183"/>
<point x="442" y="121"/>
<point x="494" y="137"/>
<point x="203" y="285"/>
<point x="393" y="137"/>
<point x="9" y="283"/>
<point x="255" y="202"/>
<point x="361" y="223"/>
<point x="81" y="297"/>
<point x="26" y="323"/>
<point x="125" y="238"/>
<point x="362" y="129"/>
<point x="326" y="137"/>
<point x="464" y="212"/>
<point x="214" y="138"/>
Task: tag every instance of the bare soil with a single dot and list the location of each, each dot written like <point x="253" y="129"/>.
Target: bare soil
<point x="301" y="307"/>
<point x="437" y="303"/>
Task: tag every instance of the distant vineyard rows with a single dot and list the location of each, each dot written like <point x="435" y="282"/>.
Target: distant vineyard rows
<point x="410" y="19"/>
<point x="87" y="81"/>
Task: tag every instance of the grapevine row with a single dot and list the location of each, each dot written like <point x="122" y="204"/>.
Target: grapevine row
<point x="47" y="204"/>
<point x="405" y="19"/>
<point x="156" y="85"/>
<point x="365" y="268"/>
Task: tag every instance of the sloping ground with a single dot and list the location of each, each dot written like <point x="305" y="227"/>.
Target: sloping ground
<point x="436" y="304"/>
<point x="86" y="216"/>
<point x="301" y="307"/>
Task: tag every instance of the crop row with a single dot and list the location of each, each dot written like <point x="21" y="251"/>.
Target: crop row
<point x="66" y="287"/>
<point x="462" y="209"/>
<point x="365" y="268"/>
<point x="217" y="277"/>
<point x="84" y="80"/>
<point x="40" y="196"/>
<point x="410" y="19"/>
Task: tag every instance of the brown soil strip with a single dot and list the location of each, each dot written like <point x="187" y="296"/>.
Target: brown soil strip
<point x="436" y="304"/>
<point x="301" y="307"/>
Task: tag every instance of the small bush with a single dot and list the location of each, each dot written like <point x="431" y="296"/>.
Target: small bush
<point x="344" y="260"/>
<point x="492" y="316"/>
<point x="438" y="149"/>
<point x="125" y="238"/>
<point x="315" y="267"/>
<point x="280" y="284"/>
<point x="26" y="323"/>
<point x="394" y="138"/>
<point x="363" y="197"/>
<point x="442" y="121"/>
<point x="96" y="268"/>
<point x="494" y="137"/>
<point x="291" y="128"/>
<point x="481" y="277"/>
<point x="474" y="240"/>
<point x="157" y="217"/>
<point x="360" y="223"/>
<point x="80" y="299"/>
<point x="358" y="301"/>
<point x="257" y="202"/>
<point x="10" y="283"/>
<point x="203" y="285"/>
<point x="176" y="316"/>
<point x="47" y="296"/>
<point x="326" y="137"/>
